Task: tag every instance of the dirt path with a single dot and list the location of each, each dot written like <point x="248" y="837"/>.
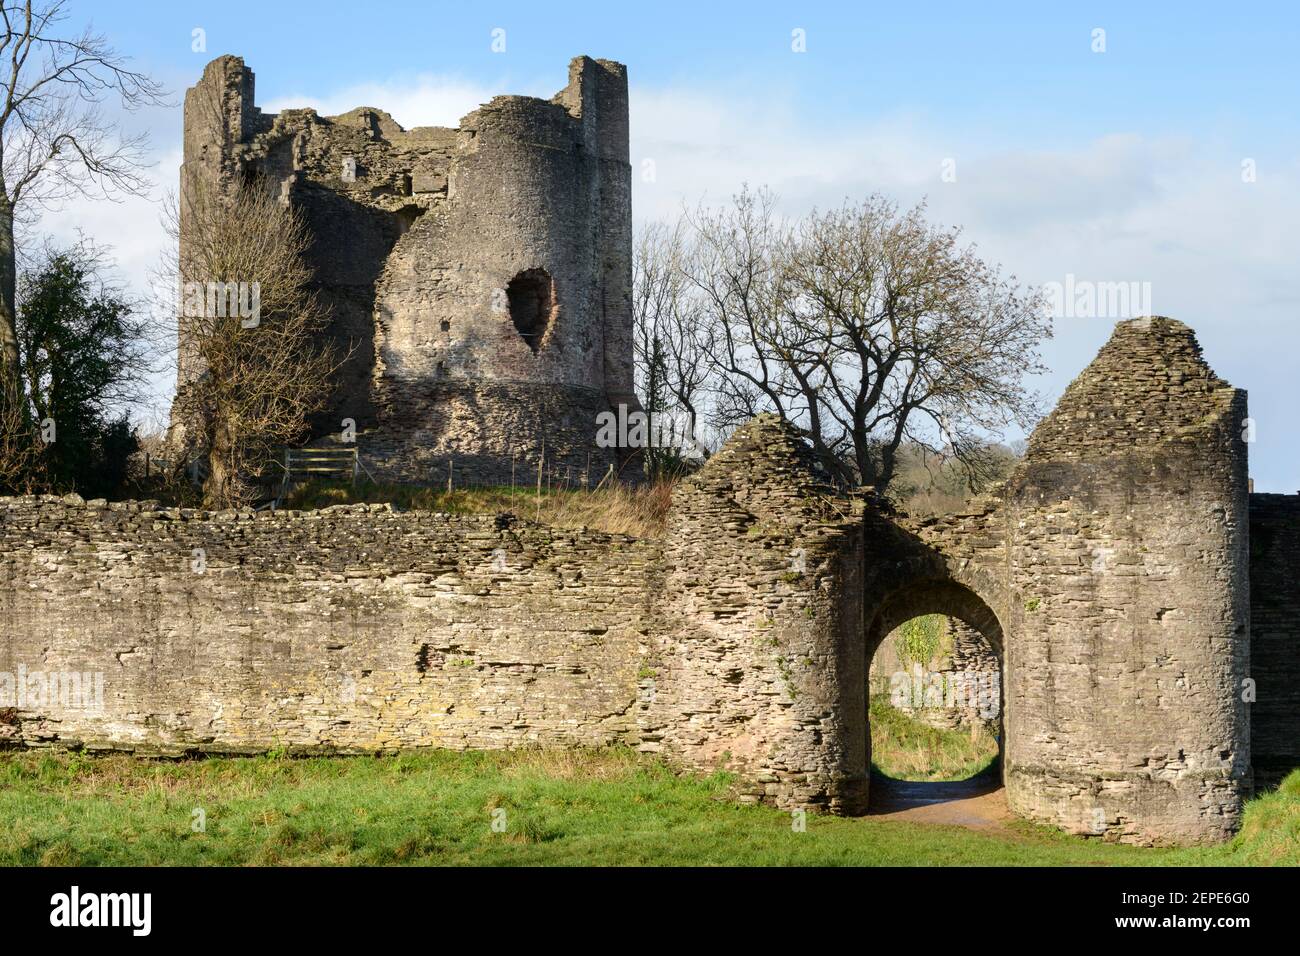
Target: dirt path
<point x="978" y="804"/>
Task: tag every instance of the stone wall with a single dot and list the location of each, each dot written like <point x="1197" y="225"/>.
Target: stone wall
<point x="350" y="629"/>
<point x="975" y="666"/>
<point x="758" y="663"/>
<point x="419" y="240"/>
<point x="1128" y="641"/>
<point x="1110" y="574"/>
<point x="960" y="686"/>
<point x="1110" y="571"/>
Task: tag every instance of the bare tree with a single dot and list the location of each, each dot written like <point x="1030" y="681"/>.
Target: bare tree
<point x="55" y="142"/>
<point x="670" y="361"/>
<point x="867" y="327"/>
<point x="736" y="270"/>
<point x="912" y="336"/>
<point x="250" y="376"/>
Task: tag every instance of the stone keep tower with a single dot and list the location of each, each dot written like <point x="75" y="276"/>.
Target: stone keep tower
<point x="481" y="275"/>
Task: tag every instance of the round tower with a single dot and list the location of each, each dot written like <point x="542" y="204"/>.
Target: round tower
<point x="503" y="315"/>
<point x="1128" y="637"/>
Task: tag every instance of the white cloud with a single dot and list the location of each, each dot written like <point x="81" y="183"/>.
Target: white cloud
<point x="425" y="101"/>
<point x="702" y="146"/>
<point x="1218" y="252"/>
<point x="132" y="226"/>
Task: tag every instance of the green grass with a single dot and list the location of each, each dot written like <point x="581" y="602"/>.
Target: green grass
<point x="904" y="748"/>
<point x="561" y="808"/>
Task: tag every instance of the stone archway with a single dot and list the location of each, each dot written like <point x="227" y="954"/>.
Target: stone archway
<point x="1112" y="566"/>
<point x="934" y="596"/>
<point x="951" y="599"/>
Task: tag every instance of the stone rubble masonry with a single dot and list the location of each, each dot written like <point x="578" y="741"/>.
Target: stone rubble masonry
<point x="960" y="689"/>
<point x="349" y="629"/>
<point x="416" y="236"/>
<point x="1111" y="574"/>
<point x="759" y="665"/>
<point x="1127" y="609"/>
<point x="976" y="669"/>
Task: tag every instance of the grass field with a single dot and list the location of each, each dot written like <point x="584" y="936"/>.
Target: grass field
<point x="904" y="748"/>
<point x="560" y="808"/>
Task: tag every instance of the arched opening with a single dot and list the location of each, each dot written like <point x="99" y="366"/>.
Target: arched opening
<point x="935" y="698"/>
<point x="531" y="296"/>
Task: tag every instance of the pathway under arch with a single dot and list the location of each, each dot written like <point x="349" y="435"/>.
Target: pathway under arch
<point x="979" y="797"/>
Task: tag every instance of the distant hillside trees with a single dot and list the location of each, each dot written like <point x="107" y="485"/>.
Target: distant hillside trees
<point x="929" y="484"/>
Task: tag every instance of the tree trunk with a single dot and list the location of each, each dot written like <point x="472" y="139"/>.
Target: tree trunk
<point x="217" y="487"/>
<point x="9" y="362"/>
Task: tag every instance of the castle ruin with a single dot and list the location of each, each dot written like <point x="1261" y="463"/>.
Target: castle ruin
<point x="1143" y="604"/>
<point x="481" y="276"/>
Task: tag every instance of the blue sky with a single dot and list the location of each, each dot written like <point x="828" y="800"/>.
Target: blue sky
<point x="1117" y="166"/>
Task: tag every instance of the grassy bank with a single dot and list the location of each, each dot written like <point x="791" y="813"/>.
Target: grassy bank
<point x="904" y="748"/>
<point x="557" y="808"/>
<point x="615" y="508"/>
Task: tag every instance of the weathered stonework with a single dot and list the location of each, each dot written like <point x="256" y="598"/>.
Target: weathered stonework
<point x="351" y="629"/>
<point x="1111" y="574"/>
<point x="759" y="658"/>
<point x="962" y="688"/>
<point x="1128" y="599"/>
<point x="482" y="275"/>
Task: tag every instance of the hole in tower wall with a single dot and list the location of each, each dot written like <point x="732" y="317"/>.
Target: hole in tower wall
<point x="531" y="297"/>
